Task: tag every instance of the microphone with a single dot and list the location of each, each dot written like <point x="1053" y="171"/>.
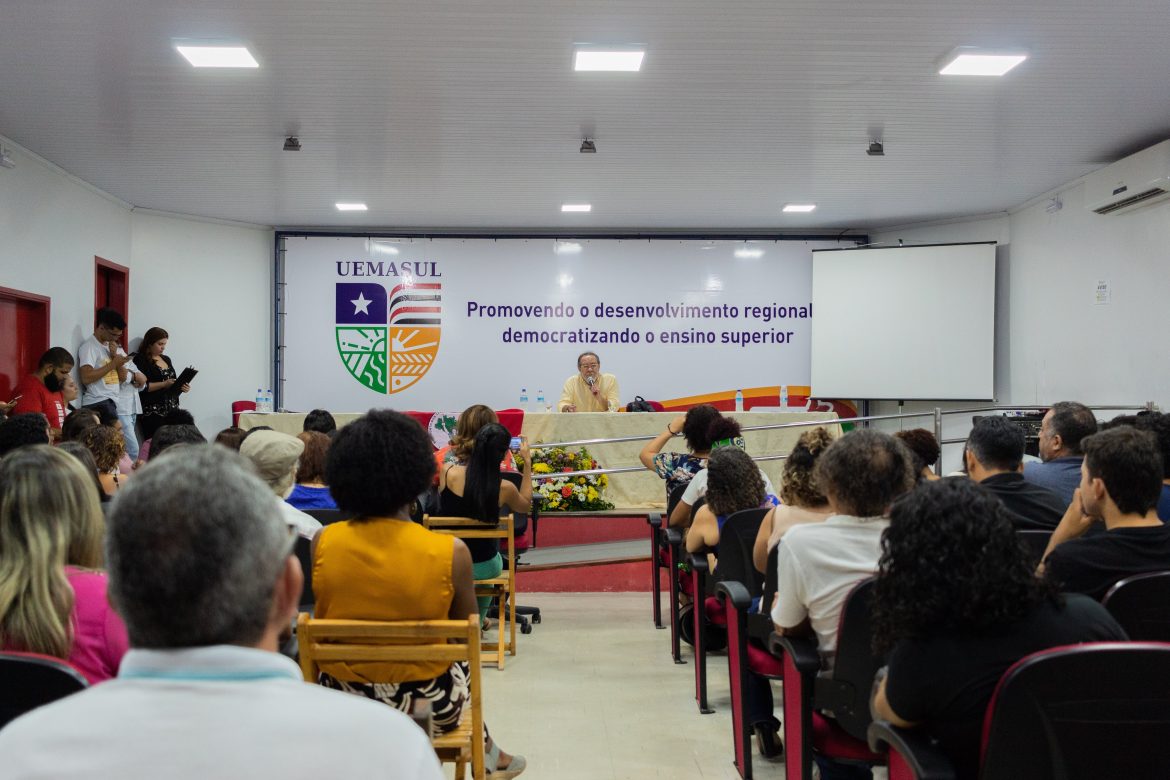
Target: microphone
<point x="589" y="380"/>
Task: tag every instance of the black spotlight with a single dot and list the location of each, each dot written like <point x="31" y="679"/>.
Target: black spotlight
<point x="876" y="149"/>
<point x="588" y="147"/>
<point x="292" y="144"/>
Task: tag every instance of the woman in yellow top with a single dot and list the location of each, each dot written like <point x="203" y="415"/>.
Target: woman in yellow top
<point x="381" y="566"/>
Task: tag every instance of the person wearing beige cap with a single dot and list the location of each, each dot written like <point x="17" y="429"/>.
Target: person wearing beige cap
<point x="275" y="457"/>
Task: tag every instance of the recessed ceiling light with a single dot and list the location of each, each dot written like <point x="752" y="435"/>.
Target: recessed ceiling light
<point x="749" y="253"/>
<point x="351" y="206"/>
<point x="218" y="56"/>
<point x="802" y="208"/>
<point x="625" y="60"/>
<point x="576" y="207"/>
<point x="977" y="62"/>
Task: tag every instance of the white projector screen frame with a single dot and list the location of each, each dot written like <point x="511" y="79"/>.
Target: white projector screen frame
<point x="904" y="323"/>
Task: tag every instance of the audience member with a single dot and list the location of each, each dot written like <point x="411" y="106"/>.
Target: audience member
<point x="955" y="616"/>
<point x="1061" y="431"/>
<point x="168" y="436"/>
<point x="158" y="395"/>
<point x="467" y="426"/>
<point x="589" y="390"/>
<point x="723" y="432"/>
<point x="174" y="417"/>
<point x="230" y="437"/>
<point x="379" y="565"/>
<point x="275" y="457"/>
<point x="69" y="393"/>
<point x="21" y="430"/>
<point x="77" y="422"/>
<point x="995" y="459"/>
<point x="104" y="374"/>
<point x="1158" y="424"/>
<point x="107" y="447"/>
<point x="476" y="490"/>
<point x="733" y="483"/>
<point x="801" y="499"/>
<point x="85" y="457"/>
<point x="205" y="596"/>
<point x="1120" y="485"/>
<point x="678" y="468"/>
<point x="321" y="421"/>
<point x="41" y="391"/>
<point x="924" y="447"/>
<point x="310" y="490"/>
<point x="819" y="563"/>
<point x="52" y="596"/>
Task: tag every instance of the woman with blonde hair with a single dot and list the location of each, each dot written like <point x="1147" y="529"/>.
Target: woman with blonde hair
<point x="52" y="595"/>
<point x="801" y="500"/>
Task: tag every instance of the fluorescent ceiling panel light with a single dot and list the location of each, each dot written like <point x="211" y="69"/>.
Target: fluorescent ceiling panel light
<point x="351" y="206"/>
<point x="749" y="253"/>
<point x="576" y="207"/>
<point x="798" y="208"/>
<point x="218" y="56"/>
<point x="623" y="60"/>
<point x="967" y="62"/>
<point x="567" y="248"/>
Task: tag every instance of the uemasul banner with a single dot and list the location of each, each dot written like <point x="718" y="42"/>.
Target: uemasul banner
<point x="444" y="323"/>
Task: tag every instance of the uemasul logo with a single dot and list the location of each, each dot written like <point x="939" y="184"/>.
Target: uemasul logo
<point x="388" y="342"/>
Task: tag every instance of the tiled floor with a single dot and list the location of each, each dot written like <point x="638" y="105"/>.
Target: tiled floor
<point x="593" y="694"/>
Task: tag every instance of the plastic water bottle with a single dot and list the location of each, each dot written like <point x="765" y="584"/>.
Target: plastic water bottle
<point x="259" y="399"/>
<point x="541" y="404"/>
<point x="784" y="396"/>
<point x="524" y="398"/>
<point x="739" y="400"/>
<point x="268" y="402"/>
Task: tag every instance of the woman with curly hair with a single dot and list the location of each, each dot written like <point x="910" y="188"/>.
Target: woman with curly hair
<point x="924" y="447"/>
<point x="52" y="596"/>
<point x="734" y="482"/>
<point x="678" y="468"/>
<point x="722" y="432"/>
<point x="107" y="446"/>
<point x="956" y="603"/>
<point x="378" y="565"/>
<point x="801" y="501"/>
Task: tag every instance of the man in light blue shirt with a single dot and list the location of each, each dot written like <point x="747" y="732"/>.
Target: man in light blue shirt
<point x="1063" y="428"/>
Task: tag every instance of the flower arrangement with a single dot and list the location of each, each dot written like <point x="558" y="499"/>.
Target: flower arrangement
<point x="567" y="494"/>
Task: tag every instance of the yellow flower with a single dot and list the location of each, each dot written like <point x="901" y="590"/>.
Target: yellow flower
<point x="542" y="468"/>
<point x="592" y="494"/>
<point x="603" y="480"/>
<point x="553" y="504"/>
<point x="581" y="480"/>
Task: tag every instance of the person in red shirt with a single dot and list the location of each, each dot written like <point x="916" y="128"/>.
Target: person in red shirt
<point x="40" y="391"/>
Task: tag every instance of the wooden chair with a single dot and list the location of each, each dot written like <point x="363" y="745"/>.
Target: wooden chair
<point x="503" y="586"/>
<point x="323" y="641"/>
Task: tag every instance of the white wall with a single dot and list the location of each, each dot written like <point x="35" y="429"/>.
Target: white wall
<point x="208" y="284"/>
<point x="1053" y="342"/>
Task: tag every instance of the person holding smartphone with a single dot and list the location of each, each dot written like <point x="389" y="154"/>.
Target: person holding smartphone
<point x="105" y="375"/>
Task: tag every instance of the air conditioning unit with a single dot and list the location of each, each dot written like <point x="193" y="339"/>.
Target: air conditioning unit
<point x="1131" y="182"/>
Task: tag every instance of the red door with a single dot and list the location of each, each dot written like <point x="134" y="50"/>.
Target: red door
<point x="24" y="321"/>
<point x="111" y="289"/>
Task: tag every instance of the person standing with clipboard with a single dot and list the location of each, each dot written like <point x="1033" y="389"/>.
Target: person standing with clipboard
<point x="161" y="392"/>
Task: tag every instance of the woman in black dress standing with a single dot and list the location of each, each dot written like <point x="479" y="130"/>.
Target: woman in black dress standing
<point x="158" y="396"/>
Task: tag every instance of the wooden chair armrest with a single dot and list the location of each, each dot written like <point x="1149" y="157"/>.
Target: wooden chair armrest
<point x="917" y="751"/>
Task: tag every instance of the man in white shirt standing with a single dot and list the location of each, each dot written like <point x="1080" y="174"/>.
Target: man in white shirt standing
<point x="201" y="570"/>
<point x="105" y="375"/>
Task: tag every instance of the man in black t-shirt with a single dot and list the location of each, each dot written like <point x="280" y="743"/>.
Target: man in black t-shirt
<point x="1121" y="481"/>
<point x="994" y="457"/>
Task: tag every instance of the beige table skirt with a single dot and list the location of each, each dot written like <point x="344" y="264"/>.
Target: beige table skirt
<point x="643" y="489"/>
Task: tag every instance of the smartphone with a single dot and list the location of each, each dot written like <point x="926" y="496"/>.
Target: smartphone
<point x="514" y="445"/>
<point x="131" y="354"/>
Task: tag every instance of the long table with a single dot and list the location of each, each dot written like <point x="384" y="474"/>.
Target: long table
<point x="634" y="490"/>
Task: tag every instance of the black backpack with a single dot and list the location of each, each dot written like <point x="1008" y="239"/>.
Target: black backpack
<point x="639" y="404"/>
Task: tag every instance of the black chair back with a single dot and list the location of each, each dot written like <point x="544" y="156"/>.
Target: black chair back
<point x="846" y="693"/>
<point x="1079" y="712"/>
<point x="328" y="516"/>
<point x="519" y="519"/>
<point x="771" y="579"/>
<point x="734" y="551"/>
<point x="29" y="680"/>
<point x="1141" y="604"/>
<point x="1036" y="542"/>
<point x="303" y="549"/>
<point x="674" y="496"/>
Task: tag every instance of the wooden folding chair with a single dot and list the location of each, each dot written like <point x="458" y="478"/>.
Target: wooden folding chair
<point x="503" y="586"/>
<point x="350" y="641"/>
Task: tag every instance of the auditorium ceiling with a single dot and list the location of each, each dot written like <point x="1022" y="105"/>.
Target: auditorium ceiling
<point x="464" y="114"/>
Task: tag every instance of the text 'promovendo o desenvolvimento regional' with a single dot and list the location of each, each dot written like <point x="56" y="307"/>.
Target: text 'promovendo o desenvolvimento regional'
<point x="600" y="315"/>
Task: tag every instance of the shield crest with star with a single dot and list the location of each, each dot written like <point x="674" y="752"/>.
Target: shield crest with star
<point x="388" y="341"/>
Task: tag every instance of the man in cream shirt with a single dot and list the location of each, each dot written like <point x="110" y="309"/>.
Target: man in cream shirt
<point x="589" y="390"/>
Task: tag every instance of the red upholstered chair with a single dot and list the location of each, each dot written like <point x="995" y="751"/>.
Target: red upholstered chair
<point x="512" y="419"/>
<point x="1141" y="604"/>
<point x="29" y="680"/>
<point x="845" y="693"/>
<point x="1081" y="712"/>
<point x="239" y="407"/>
